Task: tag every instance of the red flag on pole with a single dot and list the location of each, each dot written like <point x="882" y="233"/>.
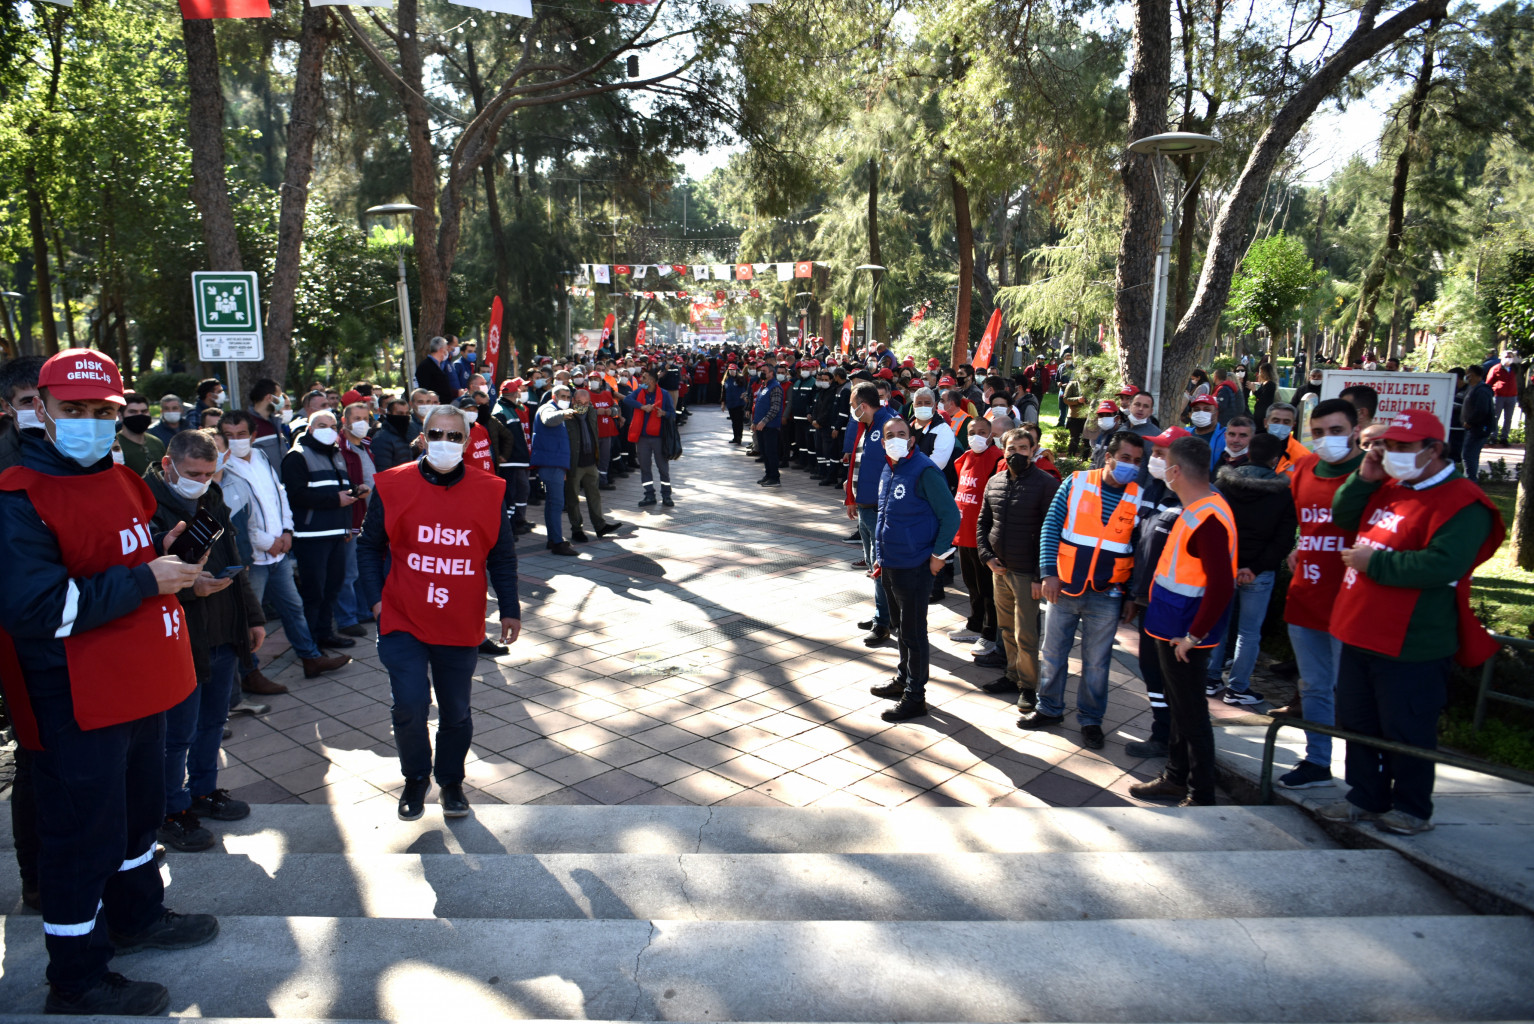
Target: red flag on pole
<point x="765" y="340"/>
<point x="197" y="10"/>
<point x="988" y="341"/>
<point x="639" y="336"/>
<point x="847" y="334"/>
<point x="493" y="342"/>
<point x="607" y="328"/>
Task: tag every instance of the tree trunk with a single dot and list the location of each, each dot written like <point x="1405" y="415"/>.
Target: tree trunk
<point x="1523" y="509"/>
<point x="205" y="130"/>
<point x="43" y="280"/>
<point x="1150" y="80"/>
<point x="1186" y="229"/>
<point x="58" y="256"/>
<point x="1395" y="221"/>
<point x="1227" y="242"/>
<point x="493" y="207"/>
<point x="303" y="127"/>
<point x="423" y="178"/>
<point x="876" y="330"/>
<point x="965" y="233"/>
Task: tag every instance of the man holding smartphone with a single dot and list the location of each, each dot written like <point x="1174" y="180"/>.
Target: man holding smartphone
<point x="223" y="618"/>
<point x="434" y="530"/>
<point x="94" y="650"/>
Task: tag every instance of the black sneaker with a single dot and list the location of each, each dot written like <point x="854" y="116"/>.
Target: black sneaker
<point x="892" y="690"/>
<point x="454" y="803"/>
<point x="876" y="637"/>
<point x="1146" y="748"/>
<point x="334" y="641"/>
<point x="355" y="629"/>
<point x="1027" y="699"/>
<point x="579" y="535"/>
<point x="1306" y="775"/>
<point x="1212" y="687"/>
<point x="906" y="709"/>
<point x="856" y="538"/>
<point x="1039" y="720"/>
<point x="1092" y="737"/>
<point x="993" y="660"/>
<point x="666" y="501"/>
<point x="113" y="996"/>
<point x="220" y="806"/>
<point x="606" y="528"/>
<point x="1241" y="698"/>
<point x="564" y="547"/>
<point x="867" y="624"/>
<point x="1002" y="685"/>
<point x="647" y="501"/>
<point x="770" y="483"/>
<point x="184" y="832"/>
<point x="171" y="931"/>
<point x="491" y="649"/>
<point x="412" y="800"/>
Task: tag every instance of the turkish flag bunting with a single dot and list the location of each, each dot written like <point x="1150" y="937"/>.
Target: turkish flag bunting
<point x="621" y="268"/>
<point x="988" y="341"/>
<point x="756" y="293"/>
<point x="196" y="10"/>
<point x="719" y="295"/>
<point x="802" y="268"/>
<point x="743" y="271"/>
<point x="679" y="268"/>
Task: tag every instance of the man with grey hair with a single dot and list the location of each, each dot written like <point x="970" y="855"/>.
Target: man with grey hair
<point x="434" y="531"/>
<point x="170" y="423"/>
<point x="320" y="493"/>
<point x="1281" y="421"/>
<point x="432" y="372"/>
<point x="551" y="459"/>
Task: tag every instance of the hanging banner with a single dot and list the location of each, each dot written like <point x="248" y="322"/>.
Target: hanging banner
<point x="723" y="272"/>
<point x="607" y="329"/>
<point x="803" y="268"/>
<point x="743" y="271"/>
<point x="847" y="335"/>
<point x="700" y="273"/>
<point x="987" y="345"/>
<point x="785" y="272"/>
<point x="198" y="10"/>
<point x="493" y="341"/>
<point x="766" y="340"/>
<point x="515" y="8"/>
<point x="639" y="335"/>
<point x="640" y="271"/>
<point x="601" y="273"/>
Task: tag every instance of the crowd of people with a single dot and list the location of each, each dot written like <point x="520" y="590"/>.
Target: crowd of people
<point x="145" y="554"/>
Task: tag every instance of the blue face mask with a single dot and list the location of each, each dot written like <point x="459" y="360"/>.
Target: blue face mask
<point x="85" y="441"/>
<point x="1124" y="472"/>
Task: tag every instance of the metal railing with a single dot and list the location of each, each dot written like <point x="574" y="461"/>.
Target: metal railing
<point x="1437" y="756"/>
<point x="1486" y="693"/>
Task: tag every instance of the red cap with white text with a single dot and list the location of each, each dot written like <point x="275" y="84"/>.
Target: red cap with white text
<point x="82" y="375"/>
<point x="1414" y="425"/>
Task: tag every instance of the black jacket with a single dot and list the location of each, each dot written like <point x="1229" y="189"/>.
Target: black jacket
<point x="1264" y="510"/>
<point x="1150" y="538"/>
<point x="434" y="378"/>
<point x="823" y="408"/>
<point x="506" y="414"/>
<point x="391" y="447"/>
<point x="224" y="617"/>
<point x="1012" y="512"/>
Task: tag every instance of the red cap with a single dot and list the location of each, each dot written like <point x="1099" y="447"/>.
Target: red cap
<point x="909" y="362"/>
<point x="885" y="374"/>
<point x="1129" y="391"/>
<point x="933" y="364"/>
<point x="1169" y="435"/>
<point x="512" y="386"/>
<point x="1205" y="400"/>
<point x="1414" y="425"/>
<point x="946" y="381"/>
<point x="351" y="396"/>
<point x="1106" y="408"/>
<point x="80" y="375"/>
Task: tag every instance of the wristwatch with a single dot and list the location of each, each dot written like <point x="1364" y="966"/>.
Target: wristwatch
<point x="1191" y="639"/>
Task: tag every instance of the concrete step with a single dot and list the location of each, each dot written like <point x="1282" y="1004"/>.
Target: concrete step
<point x="805" y="887"/>
<point x="1244" y="969"/>
<point x="275" y="830"/>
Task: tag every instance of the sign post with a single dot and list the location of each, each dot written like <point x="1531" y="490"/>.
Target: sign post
<point x="227" y="307"/>
<point x="1397" y="391"/>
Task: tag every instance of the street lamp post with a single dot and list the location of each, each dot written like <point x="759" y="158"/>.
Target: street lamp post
<point x="401" y="289"/>
<point x="569" y="337"/>
<point x="868" y="318"/>
<point x="1158" y="147"/>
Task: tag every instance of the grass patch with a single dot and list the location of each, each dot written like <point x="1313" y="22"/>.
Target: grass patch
<point x="1503" y="593"/>
<point x="1499" y="742"/>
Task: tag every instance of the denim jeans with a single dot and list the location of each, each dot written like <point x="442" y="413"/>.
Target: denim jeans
<point x="1096" y="612"/>
<point x="452" y="673"/>
<point x="350" y="609"/>
<point x="1317" y="654"/>
<point x="1503" y="408"/>
<point x="1470" y="456"/>
<point x="275" y="581"/>
<point x="868" y="519"/>
<point x="194" y="730"/>
<point x="553" y="502"/>
<point x="905" y="593"/>
<point x="1251" y="609"/>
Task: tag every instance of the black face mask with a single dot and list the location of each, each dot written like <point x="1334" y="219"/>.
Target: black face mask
<point x="399" y="421"/>
<point x="484" y="413"/>
<point x="1018" y="464"/>
<point x="137" y="424"/>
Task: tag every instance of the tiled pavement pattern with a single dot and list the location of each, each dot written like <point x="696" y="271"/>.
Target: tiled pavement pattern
<point x="708" y="656"/>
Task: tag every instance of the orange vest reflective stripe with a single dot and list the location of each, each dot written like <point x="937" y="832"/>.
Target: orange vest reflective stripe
<point x="1294" y="451"/>
<point x="1179" y="570"/>
<point x="1094" y="553"/>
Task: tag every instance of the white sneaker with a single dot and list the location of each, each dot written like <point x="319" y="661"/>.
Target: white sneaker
<point x="982" y="647"/>
<point x="246" y="706"/>
<point x="964" y="636"/>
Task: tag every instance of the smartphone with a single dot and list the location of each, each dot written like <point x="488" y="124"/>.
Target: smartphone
<point x="194" y="542"/>
<point x="231" y="572"/>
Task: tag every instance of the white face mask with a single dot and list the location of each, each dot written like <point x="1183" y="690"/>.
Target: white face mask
<point x="190" y="489"/>
<point x="359" y="428"/>
<point x="1105" y="422"/>
<point x="117" y="456"/>
<point x="26" y="419"/>
<point x="822" y="384"/>
<point x="223" y="398"/>
<point x="923" y="412"/>
<point x="1138" y="421"/>
<point x="287" y="415"/>
<point x="443" y="456"/>
<point x="1333" y="447"/>
<point x="896" y="447"/>
<point x="803" y="374"/>
<point x="562" y="403"/>
<point x="325" y="435"/>
<point x="1235" y="453"/>
<point x="1157" y="467"/>
<point x="577" y="381"/>
<point x="171" y="417"/>
<point x="1201" y="419"/>
<point x="978" y="444"/>
<point x="239" y="447"/>
<point x="782" y="376"/>
<point x="1403" y="465"/>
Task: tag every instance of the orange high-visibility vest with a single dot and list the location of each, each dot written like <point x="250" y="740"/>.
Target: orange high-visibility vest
<point x="1094" y="553"/>
<point x="1180" y="581"/>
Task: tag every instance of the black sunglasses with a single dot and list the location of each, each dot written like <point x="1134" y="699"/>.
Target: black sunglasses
<point x="454" y="436"/>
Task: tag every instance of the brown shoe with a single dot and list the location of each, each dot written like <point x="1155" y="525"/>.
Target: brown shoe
<point x="1291" y="710"/>
<point x="315" y="666"/>
<point x="259" y="684"/>
<point x="1158" y="789"/>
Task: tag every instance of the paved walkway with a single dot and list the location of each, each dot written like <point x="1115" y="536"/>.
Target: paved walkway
<point x="707" y="654"/>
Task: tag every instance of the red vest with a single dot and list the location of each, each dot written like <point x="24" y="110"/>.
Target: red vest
<point x="649" y="421"/>
<point x="1375" y="617"/>
<point x="975" y="471"/>
<point x="438" y="540"/>
<point x="1318" y="558"/>
<point x="479" y="453"/>
<point x="134" y="666"/>
<point x="606" y="406"/>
